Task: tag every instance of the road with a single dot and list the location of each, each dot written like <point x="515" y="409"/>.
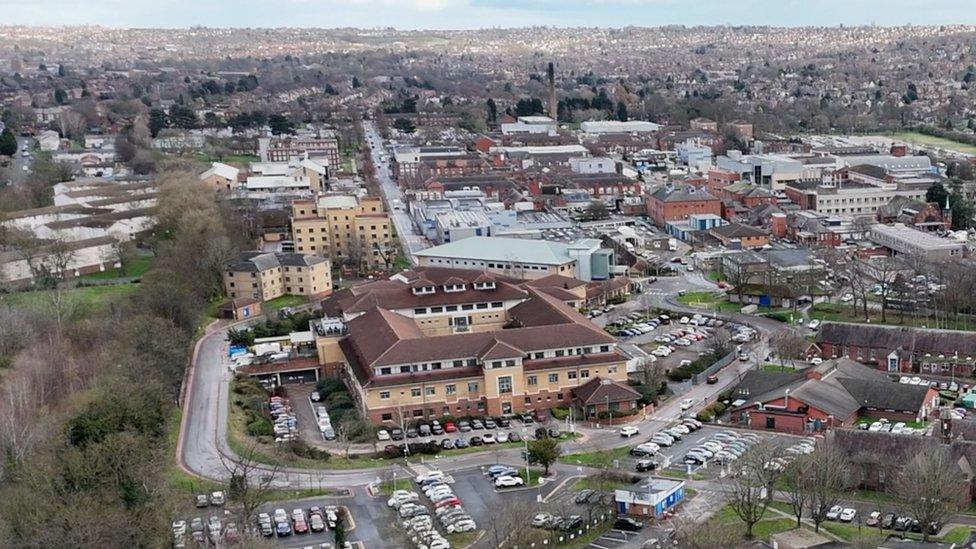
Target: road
<point x="203" y="448"/>
<point x="18" y="175"/>
<point x="411" y="240"/>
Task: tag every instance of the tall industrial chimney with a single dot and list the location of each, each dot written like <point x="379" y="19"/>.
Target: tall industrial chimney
<point x="553" y="108"/>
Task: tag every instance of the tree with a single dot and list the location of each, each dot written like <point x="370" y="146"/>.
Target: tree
<point x="788" y="344"/>
<point x="595" y="211"/>
<point x="181" y="116"/>
<point x="937" y="193"/>
<point x="281" y="124"/>
<point x="796" y="490"/>
<point x="124" y="253"/>
<point x="929" y="487"/>
<point x="492" y="111"/>
<point x="8" y="143"/>
<point x="621" y="111"/>
<point x="60" y="97"/>
<point x="339" y="530"/>
<point x="404" y="125"/>
<point x="157" y="121"/>
<point x="545" y="452"/>
<point x="250" y="482"/>
<point x="827" y="475"/>
<point x="355" y="82"/>
<point x="749" y="488"/>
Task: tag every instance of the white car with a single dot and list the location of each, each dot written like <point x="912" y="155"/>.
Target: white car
<point x="662" y="439"/>
<point x="430" y="476"/>
<point x="629" y="431"/>
<point x="814" y="324"/>
<point x="682" y="428"/>
<point x="501" y="436"/>
<point x="509" y="482"/>
<point x="816" y="361"/>
<point x="687" y="403"/>
<point x="834" y="512"/>
<point x="684" y="320"/>
<point x="848" y="514"/>
<point x="488" y="438"/>
<point x="846" y="298"/>
<point x="382" y="434"/>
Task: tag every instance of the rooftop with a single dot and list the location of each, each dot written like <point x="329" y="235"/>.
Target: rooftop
<point x="502" y="249"/>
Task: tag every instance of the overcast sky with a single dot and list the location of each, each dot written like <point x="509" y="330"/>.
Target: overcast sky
<point x="466" y="14"/>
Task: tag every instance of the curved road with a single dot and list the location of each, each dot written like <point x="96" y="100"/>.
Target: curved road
<point x="202" y="447"/>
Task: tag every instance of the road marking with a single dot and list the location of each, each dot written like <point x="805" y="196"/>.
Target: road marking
<point x="559" y="487"/>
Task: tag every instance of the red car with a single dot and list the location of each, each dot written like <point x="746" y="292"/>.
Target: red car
<point x="450" y="502"/>
<point x="450" y="427"/>
<point x="712" y="379"/>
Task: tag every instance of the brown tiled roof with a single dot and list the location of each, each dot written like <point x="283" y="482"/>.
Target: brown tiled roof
<point x="599" y="390"/>
<point x="592" y="359"/>
<point x="499" y="349"/>
<point x="555" y="281"/>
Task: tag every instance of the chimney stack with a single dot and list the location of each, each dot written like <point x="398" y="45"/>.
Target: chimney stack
<point x="553" y="108"/>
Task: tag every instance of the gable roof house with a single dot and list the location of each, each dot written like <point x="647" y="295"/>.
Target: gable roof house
<point x="835" y="393"/>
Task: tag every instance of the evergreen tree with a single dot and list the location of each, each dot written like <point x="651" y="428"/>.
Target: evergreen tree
<point x="157" y="121"/>
<point x="8" y="143"/>
<point x="621" y="111"/>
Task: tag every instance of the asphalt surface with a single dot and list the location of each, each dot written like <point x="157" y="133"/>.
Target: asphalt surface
<point x="410" y="239"/>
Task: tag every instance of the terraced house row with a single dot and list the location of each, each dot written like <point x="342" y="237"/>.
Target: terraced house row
<point x="436" y="341"/>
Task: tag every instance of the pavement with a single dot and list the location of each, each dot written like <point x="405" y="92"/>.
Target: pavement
<point x="411" y="240"/>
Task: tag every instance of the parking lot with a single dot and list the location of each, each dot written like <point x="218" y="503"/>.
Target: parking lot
<point x="667" y="339"/>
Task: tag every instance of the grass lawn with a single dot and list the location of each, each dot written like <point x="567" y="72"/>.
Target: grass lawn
<point x="533" y="477"/>
<point x="941" y="142"/>
<point x="596" y="459"/>
<point x="698" y="298"/>
<point x="388" y="486"/>
<point x="957" y="535"/>
<point x="86" y="298"/>
<point x="594" y="482"/>
<point x="285" y="301"/>
<point x="673" y="473"/>
<point x="770" y="367"/>
<point x="846" y="313"/>
<point x="228" y="159"/>
<point x="137" y="267"/>
<point x="462" y="539"/>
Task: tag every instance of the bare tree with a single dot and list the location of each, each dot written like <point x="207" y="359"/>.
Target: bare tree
<point x="796" y="489"/>
<point x="652" y="374"/>
<point x="827" y="475"/>
<point x="929" y="487"/>
<point x="123" y="252"/>
<point x="708" y="535"/>
<point x="250" y="482"/>
<point x="788" y="344"/>
<point x="749" y="488"/>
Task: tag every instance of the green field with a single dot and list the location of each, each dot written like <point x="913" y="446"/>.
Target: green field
<point x="845" y="313"/>
<point x="931" y="140"/>
<point x="86" y="299"/>
<point x="136" y="267"/>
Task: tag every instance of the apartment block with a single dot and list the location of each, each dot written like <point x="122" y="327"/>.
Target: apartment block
<point x="344" y="228"/>
<point x="266" y="276"/>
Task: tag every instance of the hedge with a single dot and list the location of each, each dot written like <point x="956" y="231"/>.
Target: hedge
<point x="559" y="413"/>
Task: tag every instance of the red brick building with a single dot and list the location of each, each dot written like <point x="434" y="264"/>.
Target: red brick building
<point x="676" y="202"/>
<point x="834" y="394"/>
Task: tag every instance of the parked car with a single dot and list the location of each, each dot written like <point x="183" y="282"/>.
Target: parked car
<point x="629" y="431"/>
<point x="873" y="519"/>
<point x="509" y="482"/>
<point x="584" y="495"/>
<point x="628" y="524"/>
<point x="542" y="520"/>
<point x="476" y="441"/>
<point x="687" y="403"/>
<point x="396" y="433"/>
<point x="847" y="515"/>
<point x="644" y="465"/>
<point x="202" y="500"/>
<point x="488" y="438"/>
<point x="834" y="512"/>
<point x="382" y="435"/>
<point x="217" y="498"/>
<point x="450" y="427"/>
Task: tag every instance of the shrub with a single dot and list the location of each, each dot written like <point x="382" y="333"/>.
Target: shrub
<point x="679" y="374"/>
<point x="329" y="385"/>
<point x="301" y="449"/>
<point x="559" y="413"/>
<point x="718" y="408"/>
<point x="705" y="415"/>
<point x="260" y="426"/>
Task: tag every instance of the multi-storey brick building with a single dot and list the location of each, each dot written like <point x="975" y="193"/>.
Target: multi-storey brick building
<point x="266" y="276"/>
<point x="434" y="341"/>
<point x="284" y="148"/>
<point x="344" y="228"/>
<point x="677" y="202"/>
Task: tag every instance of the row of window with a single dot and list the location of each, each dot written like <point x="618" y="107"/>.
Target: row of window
<point x="504" y="384"/>
<point x="455" y="308"/>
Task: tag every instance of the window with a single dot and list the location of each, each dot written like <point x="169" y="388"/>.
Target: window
<point x="611" y="370"/>
<point x="604" y="348"/>
<point x="482" y="305"/>
<point x="560" y="352"/>
<point x="451" y="308"/>
<point x="553" y="378"/>
<point x="418" y="413"/>
<point x="496" y="304"/>
<point x="539" y="355"/>
<point x="467" y="307"/>
<point x="450" y="389"/>
<point x="532" y="380"/>
<point x="431" y="391"/>
<point x="420" y="311"/>
<point x="404" y="369"/>
<point x="458" y="363"/>
<point x="415" y="392"/>
<point x="384" y="395"/>
<point x="571" y="375"/>
<point x="386" y="417"/>
<point x="505" y="385"/>
<point x="436" y="309"/>
<point x="509" y="363"/>
<point x="473" y="387"/>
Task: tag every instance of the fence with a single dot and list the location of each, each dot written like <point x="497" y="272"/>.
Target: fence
<point x="721" y="363"/>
